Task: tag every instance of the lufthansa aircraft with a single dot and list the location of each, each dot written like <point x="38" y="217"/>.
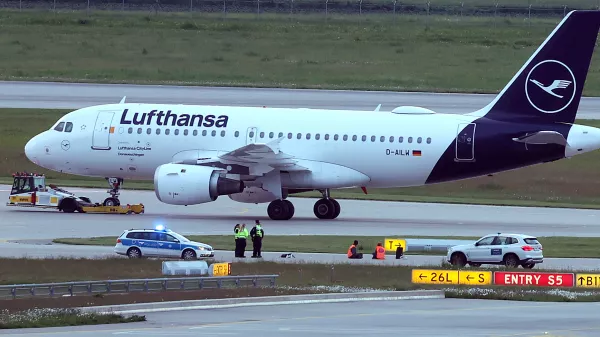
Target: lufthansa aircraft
<point x="256" y="155"/>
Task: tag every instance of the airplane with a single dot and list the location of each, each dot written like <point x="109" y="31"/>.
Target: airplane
<point x="195" y="153"/>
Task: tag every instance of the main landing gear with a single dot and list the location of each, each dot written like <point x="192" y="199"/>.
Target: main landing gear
<point x="326" y="208"/>
<point x="115" y="184"/>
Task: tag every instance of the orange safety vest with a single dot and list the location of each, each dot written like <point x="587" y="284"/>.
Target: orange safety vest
<point x="380" y="253"/>
<point x="350" y="250"/>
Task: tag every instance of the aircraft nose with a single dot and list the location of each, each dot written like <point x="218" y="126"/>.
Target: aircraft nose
<point x="31" y="149"/>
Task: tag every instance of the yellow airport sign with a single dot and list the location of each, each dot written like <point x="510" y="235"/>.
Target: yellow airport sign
<point x="391" y="244"/>
<point x="475" y="277"/>
<point x="587" y="280"/>
<point x="428" y="276"/>
<point x="221" y="269"/>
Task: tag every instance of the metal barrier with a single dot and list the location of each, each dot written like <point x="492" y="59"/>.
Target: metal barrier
<point x="132" y="285"/>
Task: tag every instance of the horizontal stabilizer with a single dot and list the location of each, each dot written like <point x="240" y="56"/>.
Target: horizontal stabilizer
<point x="543" y="138"/>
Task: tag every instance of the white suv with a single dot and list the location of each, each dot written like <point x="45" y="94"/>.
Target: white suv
<point x="510" y="250"/>
<point x="160" y="242"/>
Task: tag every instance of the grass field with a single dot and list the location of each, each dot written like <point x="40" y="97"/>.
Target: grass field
<point x="567" y="183"/>
<point x="556" y="246"/>
<point x="378" y="52"/>
<point x="18" y="271"/>
<point x="40" y="318"/>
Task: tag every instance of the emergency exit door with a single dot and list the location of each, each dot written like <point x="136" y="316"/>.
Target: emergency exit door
<point x="102" y="130"/>
<point x="465" y="142"/>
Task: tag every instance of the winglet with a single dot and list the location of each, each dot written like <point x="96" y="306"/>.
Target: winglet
<point x="123" y="100"/>
<point x="364" y="189"/>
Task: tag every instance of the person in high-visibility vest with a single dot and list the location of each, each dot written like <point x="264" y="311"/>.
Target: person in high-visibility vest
<point x="243" y="236"/>
<point x="236" y="233"/>
<point x="353" y="252"/>
<point x="379" y="253"/>
<point x="257" y="235"/>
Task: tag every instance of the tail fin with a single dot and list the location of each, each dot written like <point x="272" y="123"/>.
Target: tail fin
<point x="547" y="89"/>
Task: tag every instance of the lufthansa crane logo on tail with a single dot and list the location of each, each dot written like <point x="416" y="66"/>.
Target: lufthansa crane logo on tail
<point x="550" y="86"/>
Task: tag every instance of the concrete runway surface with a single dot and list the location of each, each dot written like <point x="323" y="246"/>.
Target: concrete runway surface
<point x="435" y="317"/>
<point x="76" y="95"/>
<point x="358" y="217"/>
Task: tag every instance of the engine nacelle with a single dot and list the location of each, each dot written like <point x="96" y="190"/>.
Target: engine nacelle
<point x="178" y="184"/>
<point x="255" y="195"/>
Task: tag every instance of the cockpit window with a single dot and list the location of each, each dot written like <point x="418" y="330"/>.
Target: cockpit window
<point x="60" y="126"/>
<point x="69" y="127"/>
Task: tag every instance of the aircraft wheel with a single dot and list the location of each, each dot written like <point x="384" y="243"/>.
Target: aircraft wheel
<point x="338" y="208"/>
<point x="280" y="210"/>
<point x="111" y="202"/>
<point x="324" y="209"/>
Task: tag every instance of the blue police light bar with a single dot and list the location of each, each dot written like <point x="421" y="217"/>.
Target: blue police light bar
<point x="160" y="227"/>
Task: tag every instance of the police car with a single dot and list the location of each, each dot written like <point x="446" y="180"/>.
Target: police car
<point x="160" y="242"/>
<point x="510" y="250"/>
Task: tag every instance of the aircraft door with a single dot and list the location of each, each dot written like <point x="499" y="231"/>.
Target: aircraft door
<point x="465" y="142"/>
<point x="251" y="136"/>
<point x="102" y="130"/>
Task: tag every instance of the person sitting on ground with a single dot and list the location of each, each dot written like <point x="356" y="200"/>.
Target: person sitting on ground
<point x="353" y="253"/>
<point x="379" y="253"/>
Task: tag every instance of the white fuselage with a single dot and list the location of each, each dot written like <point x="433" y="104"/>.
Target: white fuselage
<point x="380" y="145"/>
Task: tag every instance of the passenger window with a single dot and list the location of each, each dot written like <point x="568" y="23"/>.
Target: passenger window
<point x="60" y="126"/>
<point x="372" y="138"/>
<point x="317" y="136"/>
<point x="290" y="135"/>
<point x="419" y="140"/>
<point x="223" y="133"/>
<point x="382" y="139"/>
<point x="130" y="130"/>
<point x="280" y="134"/>
<point x="391" y="139"/>
<point x="271" y="134"/>
<point x="400" y="139"/>
<point x="299" y="136"/>
<point x="335" y="137"/>
<point x="354" y="138"/>
<point x="364" y="138"/>
<point x="486" y="241"/>
<point x="139" y="131"/>
<point x="308" y="136"/>
<point x="251" y="134"/>
<point x="195" y="133"/>
<point x="410" y="139"/>
<point x="428" y="140"/>
<point x="262" y="135"/>
<point x="148" y="131"/>
<point x="213" y="133"/>
<point x="167" y="131"/>
<point x="326" y="136"/>
<point x="176" y="132"/>
<point x="237" y="134"/>
<point x="185" y="132"/>
<point x="158" y="131"/>
<point x="204" y="132"/>
<point x="69" y="127"/>
<point x="170" y="238"/>
<point x="345" y="137"/>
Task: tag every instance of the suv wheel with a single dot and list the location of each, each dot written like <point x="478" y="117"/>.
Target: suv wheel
<point x="511" y="261"/>
<point x="458" y="259"/>
<point x="528" y="265"/>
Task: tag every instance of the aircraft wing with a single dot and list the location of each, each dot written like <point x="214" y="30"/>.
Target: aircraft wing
<point x="253" y="159"/>
<point x="543" y="138"/>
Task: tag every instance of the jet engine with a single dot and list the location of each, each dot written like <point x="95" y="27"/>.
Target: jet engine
<point x="178" y="184"/>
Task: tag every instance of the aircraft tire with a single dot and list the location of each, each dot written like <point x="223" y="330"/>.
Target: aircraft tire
<point x="338" y="208"/>
<point x="111" y="202"/>
<point x="324" y="209"/>
<point x="280" y="210"/>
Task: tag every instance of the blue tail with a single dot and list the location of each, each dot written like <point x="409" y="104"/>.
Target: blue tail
<point x="548" y="87"/>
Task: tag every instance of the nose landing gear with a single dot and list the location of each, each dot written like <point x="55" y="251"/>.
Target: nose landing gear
<point x="327" y="208"/>
<point x="115" y="184"/>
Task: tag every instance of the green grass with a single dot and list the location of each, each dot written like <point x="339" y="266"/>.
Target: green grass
<point x="294" y="276"/>
<point x="554" y="246"/>
<point x="46" y="318"/>
<point x="375" y="52"/>
<point x="566" y="183"/>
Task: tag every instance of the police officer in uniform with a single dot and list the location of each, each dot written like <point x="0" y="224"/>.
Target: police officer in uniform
<point x="257" y="235"/>
<point x="243" y="235"/>
<point x="236" y="233"/>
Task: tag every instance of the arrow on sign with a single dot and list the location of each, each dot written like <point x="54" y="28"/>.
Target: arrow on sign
<point x="580" y="279"/>
<point x="469" y="277"/>
<point x="421" y="276"/>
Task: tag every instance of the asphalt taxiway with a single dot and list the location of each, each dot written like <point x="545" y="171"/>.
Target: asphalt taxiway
<point x="433" y="317"/>
<point x="79" y="95"/>
<point x="358" y="217"/>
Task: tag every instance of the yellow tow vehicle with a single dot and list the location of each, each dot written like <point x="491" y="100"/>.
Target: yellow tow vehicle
<point x="30" y="190"/>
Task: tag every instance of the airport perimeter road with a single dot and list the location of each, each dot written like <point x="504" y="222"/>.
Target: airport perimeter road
<point x="45" y="249"/>
<point x="435" y="317"/>
<point x="75" y="95"/>
<point x="358" y="217"/>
